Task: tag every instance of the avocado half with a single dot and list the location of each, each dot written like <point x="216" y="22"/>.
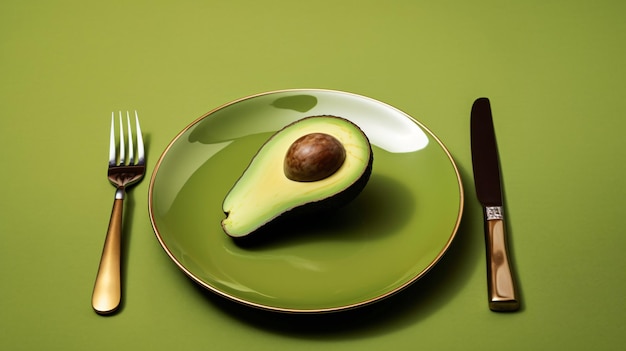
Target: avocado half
<point x="265" y="192"/>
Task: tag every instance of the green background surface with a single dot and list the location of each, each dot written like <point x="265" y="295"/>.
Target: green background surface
<point x="554" y="71"/>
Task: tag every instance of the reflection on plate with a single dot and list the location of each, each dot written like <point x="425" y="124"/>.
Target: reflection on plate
<point x="388" y="237"/>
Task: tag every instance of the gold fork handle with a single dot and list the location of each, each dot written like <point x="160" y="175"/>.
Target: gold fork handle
<point x="107" y="292"/>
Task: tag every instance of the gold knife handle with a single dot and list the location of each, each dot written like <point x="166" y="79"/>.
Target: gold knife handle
<point x="502" y="290"/>
<point x="107" y="290"/>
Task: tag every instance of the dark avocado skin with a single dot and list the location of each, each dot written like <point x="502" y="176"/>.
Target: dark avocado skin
<point x="289" y="221"/>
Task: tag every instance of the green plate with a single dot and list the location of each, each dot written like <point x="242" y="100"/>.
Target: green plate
<point x="388" y="237"/>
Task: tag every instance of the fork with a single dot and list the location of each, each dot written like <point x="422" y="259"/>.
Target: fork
<point x="123" y="172"/>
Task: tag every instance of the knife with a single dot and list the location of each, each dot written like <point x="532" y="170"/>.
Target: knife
<point x="503" y="294"/>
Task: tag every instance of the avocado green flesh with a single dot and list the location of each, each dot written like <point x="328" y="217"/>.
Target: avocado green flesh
<point x="264" y="193"/>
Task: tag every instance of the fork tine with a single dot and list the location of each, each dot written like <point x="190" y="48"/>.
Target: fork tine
<point x="140" y="151"/>
<point x="112" y="157"/>
<point x="131" y="151"/>
<point x="122" y="148"/>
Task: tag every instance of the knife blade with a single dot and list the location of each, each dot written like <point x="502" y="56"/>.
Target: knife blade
<point x="502" y="290"/>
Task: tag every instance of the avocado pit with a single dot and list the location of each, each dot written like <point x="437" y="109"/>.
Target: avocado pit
<point x="313" y="157"/>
